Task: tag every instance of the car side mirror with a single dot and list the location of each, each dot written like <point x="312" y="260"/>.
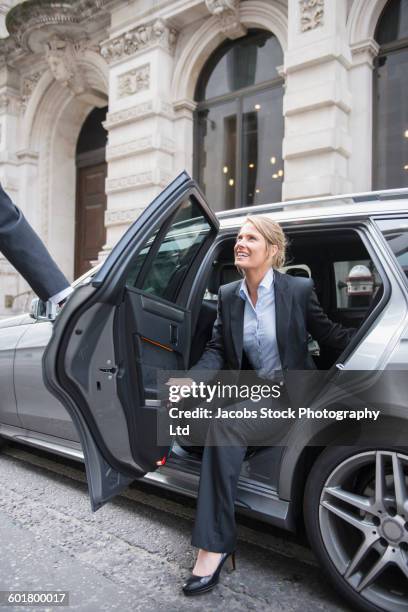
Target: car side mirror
<point x="42" y="311"/>
<point x="341" y="285"/>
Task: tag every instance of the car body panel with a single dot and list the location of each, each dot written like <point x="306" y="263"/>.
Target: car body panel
<point x="9" y="336"/>
<point x="37" y="409"/>
<point x="16" y="321"/>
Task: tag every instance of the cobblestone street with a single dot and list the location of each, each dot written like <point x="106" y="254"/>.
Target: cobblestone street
<point x="134" y="553"/>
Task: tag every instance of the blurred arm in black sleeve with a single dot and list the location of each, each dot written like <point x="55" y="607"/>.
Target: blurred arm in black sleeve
<point x="23" y="248"/>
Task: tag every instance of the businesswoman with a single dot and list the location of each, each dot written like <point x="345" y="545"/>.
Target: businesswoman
<point x="262" y="324"/>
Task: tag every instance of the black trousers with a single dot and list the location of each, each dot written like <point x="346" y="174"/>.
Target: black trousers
<point x="215" y="528"/>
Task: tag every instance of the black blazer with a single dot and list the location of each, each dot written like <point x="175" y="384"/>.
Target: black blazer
<point x="297" y="312"/>
<point x="26" y="252"/>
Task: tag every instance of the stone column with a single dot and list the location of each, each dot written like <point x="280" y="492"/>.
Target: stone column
<point x="11" y="284"/>
<point x="5" y="6"/>
<point x="317" y="102"/>
<point x="140" y="122"/>
<point x="183" y="135"/>
<point x="361" y="119"/>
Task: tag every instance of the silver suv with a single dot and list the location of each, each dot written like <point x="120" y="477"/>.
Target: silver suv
<point x="151" y="306"/>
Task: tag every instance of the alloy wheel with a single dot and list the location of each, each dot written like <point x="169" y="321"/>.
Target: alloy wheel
<point x="363" y="519"/>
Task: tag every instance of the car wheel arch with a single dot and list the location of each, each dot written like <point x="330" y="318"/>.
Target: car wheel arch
<point x="298" y="460"/>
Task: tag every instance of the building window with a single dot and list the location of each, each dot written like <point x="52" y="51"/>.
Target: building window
<point x="239" y="123"/>
<point x="390" y="155"/>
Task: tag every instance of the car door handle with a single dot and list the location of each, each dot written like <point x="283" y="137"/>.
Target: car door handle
<point x="173" y="334"/>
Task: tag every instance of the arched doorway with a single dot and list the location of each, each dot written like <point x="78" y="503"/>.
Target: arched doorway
<point x="239" y="123"/>
<point x="90" y="231"/>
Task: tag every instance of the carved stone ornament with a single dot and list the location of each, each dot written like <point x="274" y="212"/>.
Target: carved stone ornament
<point x="141" y="37"/>
<point x="133" y="81"/>
<point x="364" y="52"/>
<point x="121" y="216"/>
<point x="61" y="56"/>
<point x="150" y="178"/>
<point x="311" y="14"/>
<point x="10" y="103"/>
<point x="33" y="15"/>
<point x="139" y="112"/>
<point x="217" y="7"/>
<point x="139" y="146"/>
<point x="4" y="102"/>
<point x="227" y="12"/>
<point x="28" y="86"/>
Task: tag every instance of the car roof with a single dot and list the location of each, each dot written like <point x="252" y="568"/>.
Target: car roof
<point x="390" y="201"/>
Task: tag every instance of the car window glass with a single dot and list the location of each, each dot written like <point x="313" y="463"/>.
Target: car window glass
<point x="395" y="232"/>
<point x="135" y="268"/>
<point x="178" y="248"/>
<point x="356" y="283"/>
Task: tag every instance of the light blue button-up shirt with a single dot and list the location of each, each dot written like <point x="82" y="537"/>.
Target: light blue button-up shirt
<point x="260" y="341"/>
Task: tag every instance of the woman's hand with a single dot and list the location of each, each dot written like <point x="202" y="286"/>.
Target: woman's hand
<point x="179" y="382"/>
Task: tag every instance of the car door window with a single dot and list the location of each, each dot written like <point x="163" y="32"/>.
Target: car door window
<point x="139" y="261"/>
<point x="160" y="271"/>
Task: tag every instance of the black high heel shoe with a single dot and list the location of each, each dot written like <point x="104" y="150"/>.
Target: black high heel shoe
<point x="201" y="584"/>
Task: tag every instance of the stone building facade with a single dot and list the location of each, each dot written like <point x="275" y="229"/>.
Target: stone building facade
<point x="132" y="67"/>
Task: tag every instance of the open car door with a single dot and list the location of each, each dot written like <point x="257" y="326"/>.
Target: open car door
<point x="115" y="333"/>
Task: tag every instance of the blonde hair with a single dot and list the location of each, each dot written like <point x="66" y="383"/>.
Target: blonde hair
<point x="273" y="234"/>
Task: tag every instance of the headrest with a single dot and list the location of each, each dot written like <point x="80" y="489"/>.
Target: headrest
<point x="297" y="271"/>
<point x="221" y="274"/>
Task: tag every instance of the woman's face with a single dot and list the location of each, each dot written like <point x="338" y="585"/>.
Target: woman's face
<point x="250" y="249"/>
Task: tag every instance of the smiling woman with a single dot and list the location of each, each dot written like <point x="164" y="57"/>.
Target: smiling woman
<point x="248" y="334"/>
<point x="257" y="236"/>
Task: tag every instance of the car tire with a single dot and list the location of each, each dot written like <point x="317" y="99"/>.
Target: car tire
<point x="331" y="535"/>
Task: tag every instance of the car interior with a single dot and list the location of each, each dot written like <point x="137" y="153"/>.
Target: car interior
<point x="327" y="258"/>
